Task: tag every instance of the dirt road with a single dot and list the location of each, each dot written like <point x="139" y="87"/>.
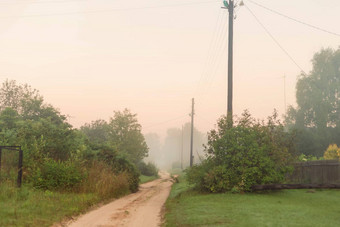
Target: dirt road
<point x="139" y="209"/>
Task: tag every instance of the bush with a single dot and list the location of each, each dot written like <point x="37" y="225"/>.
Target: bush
<point x="101" y="180"/>
<point x="332" y="152"/>
<point x="120" y="164"/>
<point x="57" y="175"/>
<point x="247" y="154"/>
<point x="147" y="169"/>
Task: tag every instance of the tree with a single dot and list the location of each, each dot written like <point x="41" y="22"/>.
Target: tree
<point x="98" y="133"/>
<point x="125" y="133"/>
<point x="18" y="97"/>
<point x="27" y="121"/>
<point x="318" y="104"/>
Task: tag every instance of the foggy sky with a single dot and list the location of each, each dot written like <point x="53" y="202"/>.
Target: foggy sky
<point x="154" y="60"/>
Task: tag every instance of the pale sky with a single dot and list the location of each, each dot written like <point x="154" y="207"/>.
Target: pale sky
<point x="91" y="57"/>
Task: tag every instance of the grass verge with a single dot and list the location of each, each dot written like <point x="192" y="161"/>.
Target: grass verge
<point x="145" y="179"/>
<point x="283" y="208"/>
<point x="30" y="207"/>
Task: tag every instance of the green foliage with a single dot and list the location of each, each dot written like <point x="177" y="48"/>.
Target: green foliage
<point x="30" y="207"/>
<point x="249" y="153"/>
<point x="316" y="116"/>
<point x="95" y="163"/>
<point x="332" y="152"/>
<point x="144" y="179"/>
<point x="148" y="169"/>
<point x="57" y="175"/>
<point x="306" y="158"/>
<point x="27" y="121"/>
<point x="122" y="133"/>
<point x="100" y="179"/>
<point x="120" y="164"/>
<point x="127" y="136"/>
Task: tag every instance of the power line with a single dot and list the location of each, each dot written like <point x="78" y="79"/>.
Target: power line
<point x="164" y="122"/>
<point x="216" y="53"/>
<point x="110" y="10"/>
<point x="293" y="19"/>
<point x="273" y="38"/>
<point x="39" y="2"/>
<point x="212" y="41"/>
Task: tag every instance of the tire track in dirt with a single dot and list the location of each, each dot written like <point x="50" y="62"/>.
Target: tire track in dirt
<point x="141" y="209"/>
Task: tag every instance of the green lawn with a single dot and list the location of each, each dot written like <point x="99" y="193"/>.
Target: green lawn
<point x="29" y="207"/>
<point x="282" y="208"/>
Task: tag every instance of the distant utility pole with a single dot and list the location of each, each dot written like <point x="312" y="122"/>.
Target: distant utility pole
<point x="284" y="92"/>
<point x="230" y="6"/>
<point x="192" y="131"/>
<point x="182" y="149"/>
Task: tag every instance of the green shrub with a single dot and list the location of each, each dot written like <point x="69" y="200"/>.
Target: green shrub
<point x="120" y="164"/>
<point x="100" y="179"/>
<point x="249" y="153"/>
<point x="57" y="175"/>
<point x="332" y="152"/>
<point x="149" y="169"/>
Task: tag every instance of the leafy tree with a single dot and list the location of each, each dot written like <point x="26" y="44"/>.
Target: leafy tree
<point x="318" y="104"/>
<point x="38" y="127"/>
<point x="98" y="133"/>
<point x="125" y="133"/>
<point x="121" y="134"/>
<point x="18" y="97"/>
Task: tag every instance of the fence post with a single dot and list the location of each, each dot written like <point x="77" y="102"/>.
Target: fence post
<point x="20" y="167"/>
<point x="0" y="157"/>
<point x="0" y="162"/>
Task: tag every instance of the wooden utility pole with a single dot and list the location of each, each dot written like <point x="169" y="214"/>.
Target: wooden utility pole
<point x="284" y="92"/>
<point x="230" y="6"/>
<point x="192" y="131"/>
<point x="182" y="149"/>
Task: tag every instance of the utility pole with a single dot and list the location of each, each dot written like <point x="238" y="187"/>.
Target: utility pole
<point x="284" y="92"/>
<point x="182" y="149"/>
<point x="230" y="6"/>
<point x="192" y="131"/>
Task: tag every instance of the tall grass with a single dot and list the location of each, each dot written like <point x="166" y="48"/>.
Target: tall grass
<point x="102" y="181"/>
<point x="28" y="206"/>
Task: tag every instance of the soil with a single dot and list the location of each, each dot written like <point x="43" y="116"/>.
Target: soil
<point x="141" y="209"/>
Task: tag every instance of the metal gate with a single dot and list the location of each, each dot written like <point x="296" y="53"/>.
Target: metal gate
<point x="18" y="149"/>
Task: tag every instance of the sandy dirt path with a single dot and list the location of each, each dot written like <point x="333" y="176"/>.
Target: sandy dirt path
<point x="135" y="210"/>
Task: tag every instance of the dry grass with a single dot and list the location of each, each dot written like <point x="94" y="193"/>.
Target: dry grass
<point x="102" y="181"/>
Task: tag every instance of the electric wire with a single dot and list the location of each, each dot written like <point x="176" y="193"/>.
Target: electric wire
<point x="39" y="2"/>
<point x="110" y="10"/>
<point x="217" y="62"/>
<point x="293" y="19"/>
<point x="216" y="58"/>
<point x="164" y="122"/>
<point x="273" y="38"/>
<point x="212" y="40"/>
<point x="214" y="53"/>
